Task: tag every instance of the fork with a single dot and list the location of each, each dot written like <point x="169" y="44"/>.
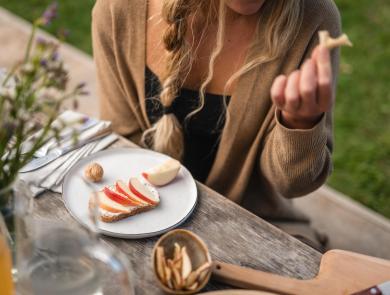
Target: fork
<point x="41" y="152"/>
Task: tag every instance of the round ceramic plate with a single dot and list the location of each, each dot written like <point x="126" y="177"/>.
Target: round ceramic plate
<point x="178" y="198"/>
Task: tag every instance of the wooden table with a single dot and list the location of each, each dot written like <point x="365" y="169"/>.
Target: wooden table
<point x="232" y="234"/>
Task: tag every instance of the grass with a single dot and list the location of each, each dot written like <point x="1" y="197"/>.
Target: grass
<point x="73" y="15"/>
<point x="362" y="113"/>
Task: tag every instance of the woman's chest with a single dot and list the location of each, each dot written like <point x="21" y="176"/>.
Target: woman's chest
<point x="206" y="122"/>
<point x="202" y="43"/>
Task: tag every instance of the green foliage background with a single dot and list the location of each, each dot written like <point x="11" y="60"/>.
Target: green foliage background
<point x="74" y="15"/>
<point x="362" y="113"/>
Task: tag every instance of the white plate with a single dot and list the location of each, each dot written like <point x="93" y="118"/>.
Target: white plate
<point x="178" y="199"/>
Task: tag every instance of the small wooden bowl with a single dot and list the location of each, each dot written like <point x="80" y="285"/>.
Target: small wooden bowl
<point x="196" y="249"/>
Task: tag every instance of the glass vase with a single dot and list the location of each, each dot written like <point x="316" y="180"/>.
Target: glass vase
<point x="7" y="239"/>
<point x="15" y="209"/>
<point x="6" y="286"/>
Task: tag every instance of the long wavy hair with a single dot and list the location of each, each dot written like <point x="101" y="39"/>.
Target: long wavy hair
<point x="280" y="20"/>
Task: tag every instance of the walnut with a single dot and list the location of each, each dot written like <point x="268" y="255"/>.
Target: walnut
<point x="94" y="172"/>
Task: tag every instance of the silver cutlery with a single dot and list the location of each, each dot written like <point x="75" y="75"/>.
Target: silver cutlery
<point x="60" y="151"/>
<point x="89" y="123"/>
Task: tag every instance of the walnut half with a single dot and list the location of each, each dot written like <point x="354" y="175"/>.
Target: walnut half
<point x="94" y="172"/>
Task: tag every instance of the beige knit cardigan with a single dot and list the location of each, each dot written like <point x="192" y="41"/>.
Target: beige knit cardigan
<point x="259" y="164"/>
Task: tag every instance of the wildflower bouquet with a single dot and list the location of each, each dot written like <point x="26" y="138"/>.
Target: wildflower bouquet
<point x="31" y="95"/>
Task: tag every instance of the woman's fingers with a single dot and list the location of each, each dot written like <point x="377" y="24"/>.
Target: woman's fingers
<point x="277" y="91"/>
<point x="308" y="85"/>
<point x="291" y="94"/>
<point x="305" y="94"/>
<point x="324" y="72"/>
<point x="314" y="54"/>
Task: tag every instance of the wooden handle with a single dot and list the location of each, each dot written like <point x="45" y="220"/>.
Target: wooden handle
<point x="341" y="272"/>
<point x="257" y="280"/>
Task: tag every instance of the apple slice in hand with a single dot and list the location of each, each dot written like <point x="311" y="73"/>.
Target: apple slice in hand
<point x="118" y="197"/>
<point x="122" y="188"/>
<point x="164" y="173"/>
<point x="109" y="205"/>
<point x="143" y="192"/>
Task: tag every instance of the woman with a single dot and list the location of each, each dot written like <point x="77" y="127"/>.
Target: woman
<point x="239" y="90"/>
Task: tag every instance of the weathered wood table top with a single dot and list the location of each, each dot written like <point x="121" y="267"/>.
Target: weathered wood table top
<point x="233" y="235"/>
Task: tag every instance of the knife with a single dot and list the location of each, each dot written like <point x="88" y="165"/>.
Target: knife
<point x="381" y="289"/>
<point x="89" y="123"/>
<point x="60" y="151"/>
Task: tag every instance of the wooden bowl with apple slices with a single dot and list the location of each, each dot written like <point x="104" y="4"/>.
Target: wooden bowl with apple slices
<point x="181" y="262"/>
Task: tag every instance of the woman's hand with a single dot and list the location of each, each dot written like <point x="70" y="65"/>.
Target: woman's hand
<point x="305" y="94"/>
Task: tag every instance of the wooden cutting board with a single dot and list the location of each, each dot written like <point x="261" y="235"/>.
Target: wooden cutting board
<point x="341" y="272"/>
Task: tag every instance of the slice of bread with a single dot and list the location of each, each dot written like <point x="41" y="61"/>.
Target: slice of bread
<point x="111" y="211"/>
<point x="108" y="216"/>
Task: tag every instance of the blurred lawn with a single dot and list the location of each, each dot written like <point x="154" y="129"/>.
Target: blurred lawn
<point x="362" y="114"/>
<point x="74" y="15"/>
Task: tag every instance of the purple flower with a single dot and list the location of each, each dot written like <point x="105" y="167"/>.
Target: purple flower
<point x="43" y="63"/>
<point x="63" y="33"/>
<point x="41" y="41"/>
<point x="55" y="56"/>
<point x="84" y="92"/>
<point x="75" y="104"/>
<point x="81" y="85"/>
<point x="50" y="14"/>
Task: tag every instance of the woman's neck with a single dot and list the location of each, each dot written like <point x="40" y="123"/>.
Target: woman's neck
<point x="233" y="18"/>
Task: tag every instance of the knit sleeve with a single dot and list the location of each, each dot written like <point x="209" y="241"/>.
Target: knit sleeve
<point x="114" y="104"/>
<point x="296" y="162"/>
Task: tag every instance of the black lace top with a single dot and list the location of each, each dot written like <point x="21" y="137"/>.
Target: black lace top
<point x="201" y="131"/>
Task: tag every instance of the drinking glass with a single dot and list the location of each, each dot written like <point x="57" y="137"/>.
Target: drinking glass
<point x="55" y="259"/>
<point x="58" y="258"/>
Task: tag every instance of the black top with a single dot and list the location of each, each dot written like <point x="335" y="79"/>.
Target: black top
<point x="201" y="131"/>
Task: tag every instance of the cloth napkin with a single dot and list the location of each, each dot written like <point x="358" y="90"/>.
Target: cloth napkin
<point x="51" y="176"/>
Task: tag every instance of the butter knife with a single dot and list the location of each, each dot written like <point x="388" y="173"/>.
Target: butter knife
<point x="60" y="151"/>
<point x="381" y="289"/>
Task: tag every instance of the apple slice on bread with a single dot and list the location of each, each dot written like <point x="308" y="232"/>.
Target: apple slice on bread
<point x="110" y="205"/>
<point x="144" y="191"/>
<point x="164" y="173"/>
<point x="118" y="197"/>
<point x="115" y="205"/>
<point x="121" y="187"/>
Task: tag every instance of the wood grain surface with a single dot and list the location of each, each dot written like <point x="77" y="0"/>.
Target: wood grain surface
<point x="341" y="272"/>
<point x="233" y="235"/>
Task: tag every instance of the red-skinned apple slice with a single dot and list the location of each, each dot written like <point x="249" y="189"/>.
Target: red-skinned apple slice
<point x="164" y="173"/>
<point x="109" y="205"/>
<point x="124" y="189"/>
<point x="143" y="192"/>
<point x="119" y="198"/>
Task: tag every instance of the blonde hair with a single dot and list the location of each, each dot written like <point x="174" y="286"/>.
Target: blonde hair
<point x="282" y="21"/>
